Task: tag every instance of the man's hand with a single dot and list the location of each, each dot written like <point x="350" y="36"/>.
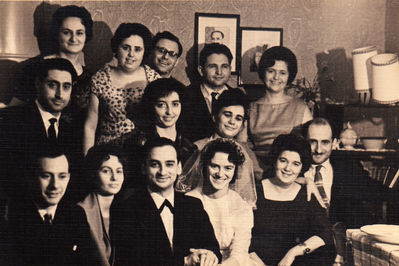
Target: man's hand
<point x="202" y="257"/>
<point x="311" y="188"/>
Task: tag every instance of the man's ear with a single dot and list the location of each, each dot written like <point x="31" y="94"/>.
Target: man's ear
<point x="179" y="168"/>
<point x="200" y="71"/>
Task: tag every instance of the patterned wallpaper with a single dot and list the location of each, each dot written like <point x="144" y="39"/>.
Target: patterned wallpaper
<point x="322" y="33"/>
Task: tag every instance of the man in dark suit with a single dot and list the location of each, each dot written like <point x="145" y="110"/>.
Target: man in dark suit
<point x="342" y="186"/>
<point x="158" y="226"/>
<point x="215" y="70"/>
<point x="42" y="229"/>
<point x="26" y="128"/>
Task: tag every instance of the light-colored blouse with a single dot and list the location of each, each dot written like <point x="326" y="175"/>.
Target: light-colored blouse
<point x="232" y="221"/>
<point x="267" y="121"/>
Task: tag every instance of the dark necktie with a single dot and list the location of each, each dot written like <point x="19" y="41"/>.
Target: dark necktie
<point x="51" y="130"/>
<point x="214" y="95"/>
<point x="48" y="219"/>
<point x="166" y="203"/>
<point x="318" y="180"/>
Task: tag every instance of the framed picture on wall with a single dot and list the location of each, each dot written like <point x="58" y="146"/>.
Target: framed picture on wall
<point x="254" y="41"/>
<point x="217" y="28"/>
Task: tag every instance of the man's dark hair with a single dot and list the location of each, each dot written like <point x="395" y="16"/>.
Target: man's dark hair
<point x="45" y="65"/>
<point x="155" y="142"/>
<point x="214" y="48"/>
<point x="169" y="36"/>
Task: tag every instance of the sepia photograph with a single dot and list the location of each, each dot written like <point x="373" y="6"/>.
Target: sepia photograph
<point x="199" y="132"/>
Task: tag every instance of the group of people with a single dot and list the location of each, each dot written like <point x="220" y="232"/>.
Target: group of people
<point x="130" y="167"/>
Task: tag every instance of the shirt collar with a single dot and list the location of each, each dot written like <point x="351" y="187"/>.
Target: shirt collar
<point x="326" y="164"/>
<point x="46" y="116"/>
<point x="158" y="199"/>
<point x="50" y="210"/>
<point x="206" y="90"/>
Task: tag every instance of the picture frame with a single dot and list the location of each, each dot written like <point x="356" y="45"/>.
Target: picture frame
<point x="221" y="28"/>
<point x="254" y="41"/>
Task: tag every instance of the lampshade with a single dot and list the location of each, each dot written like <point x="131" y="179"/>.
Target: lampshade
<point x="362" y="67"/>
<point x="385" y="74"/>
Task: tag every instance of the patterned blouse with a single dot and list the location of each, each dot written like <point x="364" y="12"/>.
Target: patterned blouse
<point x="115" y="103"/>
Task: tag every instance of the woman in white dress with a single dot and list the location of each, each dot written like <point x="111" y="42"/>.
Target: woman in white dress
<point x="230" y="215"/>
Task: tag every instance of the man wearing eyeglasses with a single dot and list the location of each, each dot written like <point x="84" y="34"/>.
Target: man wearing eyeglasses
<point x="166" y="52"/>
<point x="27" y="128"/>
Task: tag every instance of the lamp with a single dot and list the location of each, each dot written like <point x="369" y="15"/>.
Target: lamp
<point x="362" y="71"/>
<point x="385" y="75"/>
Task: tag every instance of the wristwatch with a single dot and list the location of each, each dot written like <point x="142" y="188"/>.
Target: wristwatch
<point x="306" y="250"/>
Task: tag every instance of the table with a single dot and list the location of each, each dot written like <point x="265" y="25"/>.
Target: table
<point x="369" y="252"/>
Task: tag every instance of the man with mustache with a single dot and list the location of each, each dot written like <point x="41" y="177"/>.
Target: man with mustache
<point x="343" y="188"/>
<point x="158" y="226"/>
<point x="215" y="70"/>
<point x="166" y="52"/>
<point x="42" y="228"/>
<point x="27" y="128"/>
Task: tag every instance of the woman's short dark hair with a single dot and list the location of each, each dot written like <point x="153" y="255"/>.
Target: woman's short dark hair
<point x="125" y="30"/>
<point x="229" y="98"/>
<point x="157" y="89"/>
<point x="278" y="53"/>
<point x="95" y="157"/>
<point x="294" y="143"/>
<point x="224" y="145"/>
<point x="71" y="11"/>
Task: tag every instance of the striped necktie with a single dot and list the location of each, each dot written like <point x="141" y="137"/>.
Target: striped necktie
<point x="318" y="180"/>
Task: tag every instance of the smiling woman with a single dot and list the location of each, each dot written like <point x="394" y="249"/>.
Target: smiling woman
<point x="118" y="89"/>
<point x="230" y="215"/>
<point x="282" y="241"/>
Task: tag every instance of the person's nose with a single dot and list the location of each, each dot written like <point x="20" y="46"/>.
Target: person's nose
<point x="58" y="92"/>
<point x="53" y="183"/>
<point x="318" y="148"/>
<point x="163" y="170"/>
<point x="276" y="75"/>
<point x="73" y="38"/>
<point x="218" y="70"/>
<point x="168" y="108"/>
<point x="113" y="178"/>
<point x="232" y="121"/>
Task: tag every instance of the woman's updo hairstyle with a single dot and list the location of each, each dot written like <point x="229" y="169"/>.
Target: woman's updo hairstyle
<point x="294" y="143"/>
<point x="278" y="53"/>
<point x="223" y="145"/>
<point x="71" y="11"/>
<point x="125" y="30"/>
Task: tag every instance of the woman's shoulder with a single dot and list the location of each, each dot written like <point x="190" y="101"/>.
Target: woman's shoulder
<point x="201" y="143"/>
<point x="151" y="74"/>
<point x="237" y="201"/>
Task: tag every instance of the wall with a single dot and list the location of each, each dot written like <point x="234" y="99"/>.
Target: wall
<point x="322" y="33"/>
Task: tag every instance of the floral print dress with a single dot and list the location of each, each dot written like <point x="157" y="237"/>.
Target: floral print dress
<point x="114" y="103"/>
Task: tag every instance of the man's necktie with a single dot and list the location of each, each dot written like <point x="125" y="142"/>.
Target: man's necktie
<point x="48" y="219"/>
<point x="51" y="130"/>
<point x="318" y="180"/>
<point x="166" y="203"/>
<point x="214" y="95"/>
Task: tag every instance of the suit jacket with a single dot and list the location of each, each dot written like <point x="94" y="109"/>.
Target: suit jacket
<point x="21" y="132"/>
<point x="354" y="195"/>
<point x="98" y="233"/>
<point x="197" y="121"/>
<point x="65" y="242"/>
<point x="141" y="238"/>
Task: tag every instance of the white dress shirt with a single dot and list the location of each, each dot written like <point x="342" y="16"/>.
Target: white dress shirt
<point x="46" y="116"/>
<point x="207" y="93"/>
<point x="166" y="214"/>
<point x="50" y="210"/>
<point x="326" y="172"/>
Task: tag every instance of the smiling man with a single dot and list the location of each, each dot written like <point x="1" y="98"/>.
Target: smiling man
<point x="26" y="128"/>
<point x="215" y="70"/>
<point x="44" y="229"/>
<point x="158" y="226"/>
<point x="166" y="52"/>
